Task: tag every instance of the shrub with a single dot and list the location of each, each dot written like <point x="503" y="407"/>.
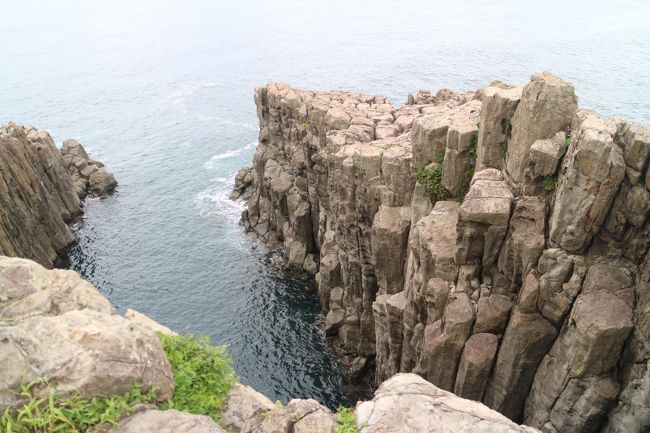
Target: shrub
<point x="549" y="183"/>
<point x="204" y="374"/>
<point x="71" y="414"/>
<point x="347" y="420"/>
<point x="431" y="181"/>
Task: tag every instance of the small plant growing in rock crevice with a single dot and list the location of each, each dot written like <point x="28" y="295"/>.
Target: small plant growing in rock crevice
<point x="506" y="127"/>
<point x="567" y="142"/>
<point x="347" y="420"/>
<point x="548" y="184"/>
<point x="431" y="181"/>
<point x="304" y="127"/>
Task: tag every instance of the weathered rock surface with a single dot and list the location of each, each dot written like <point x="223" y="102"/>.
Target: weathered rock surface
<point x="89" y="176"/>
<point x="38" y="197"/>
<point x="55" y="325"/>
<point x="27" y="289"/>
<point x="407" y="403"/>
<point x="166" y="421"/>
<point x="248" y="411"/>
<point x="504" y="291"/>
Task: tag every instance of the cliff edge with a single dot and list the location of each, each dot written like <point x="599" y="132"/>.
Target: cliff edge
<point x="64" y="350"/>
<point x="493" y="242"/>
<point x="41" y="190"/>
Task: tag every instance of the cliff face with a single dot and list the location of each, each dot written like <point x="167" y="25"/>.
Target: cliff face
<point x="493" y="242"/>
<point x="55" y="325"/>
<point x="39" y="194"/>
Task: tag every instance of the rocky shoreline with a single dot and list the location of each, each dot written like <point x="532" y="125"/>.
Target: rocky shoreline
<point x="493" y="242"/>
<point x="41" y="188"/>
<point x="57" y="327"/>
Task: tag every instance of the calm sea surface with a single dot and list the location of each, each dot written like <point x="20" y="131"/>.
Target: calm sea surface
<point x="161" y="91"/>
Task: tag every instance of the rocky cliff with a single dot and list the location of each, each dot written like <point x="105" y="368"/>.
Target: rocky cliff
<point x="40" y="191"/>
<point x="493" y="242"/>
<point x="56" y="326"/>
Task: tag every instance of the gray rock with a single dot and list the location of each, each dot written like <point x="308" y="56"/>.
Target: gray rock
<point x="166" y="421"/>
<point x="546" y="108"/>
<point x="407" y="403"/>
<point x="245" y="409"/>
<point x="86" y="351"/>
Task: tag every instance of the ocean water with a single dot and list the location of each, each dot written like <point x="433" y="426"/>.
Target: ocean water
<point x="161" y="91"/>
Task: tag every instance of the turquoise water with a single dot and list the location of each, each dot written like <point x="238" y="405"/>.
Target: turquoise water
<point x="161" y="91"/>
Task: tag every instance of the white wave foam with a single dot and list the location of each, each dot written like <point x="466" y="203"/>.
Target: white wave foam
<point x="179" y="97"/>
<point x="214" y="203"/>
<point x="226" y="121"/>
<point x="227" y="154"/>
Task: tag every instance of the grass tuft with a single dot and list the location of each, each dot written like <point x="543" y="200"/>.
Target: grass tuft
<point x="549" y="183"/>
<point x="204" y="374"/>
<point x="347" y="420"/>
<point x="45" y="412"/>
<point x="431" y="181"/>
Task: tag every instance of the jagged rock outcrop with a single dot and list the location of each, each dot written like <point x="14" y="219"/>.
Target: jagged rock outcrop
<point x="89" y="176"/>
<point x="38" y="196"/>
<point x="57" y="326"/>
<point x="504" y="274"/>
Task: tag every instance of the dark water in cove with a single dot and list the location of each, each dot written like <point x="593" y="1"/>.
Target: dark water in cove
<point x="161" y="91"/>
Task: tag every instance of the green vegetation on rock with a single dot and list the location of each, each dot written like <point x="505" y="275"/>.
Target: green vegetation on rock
<point x="549" y="183"/>
<point x="431" y="181"/>
<point x="45" y="412"/>
<point x="347" y="420"/>
<point x="203" y="374"/>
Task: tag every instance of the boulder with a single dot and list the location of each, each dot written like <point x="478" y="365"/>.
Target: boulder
<point x="81" y="350"/>
<point x="245" y="409"/>
<point x="406" y="403"/>
<point x="165" y="421"/>
<point x="149" y="323"/>
<point x="28" y="289"/>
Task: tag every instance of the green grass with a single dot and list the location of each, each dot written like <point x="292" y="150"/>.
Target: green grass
<point x="431" y="181"/>
<point x="473" y="141"/>
<point x="45" y="412"/>
<point x="506" y="127"/>
<point x="347" y="420"/>
<point x="203" y="374"/>
<point x="567" y="142"/>
<point x="549" y="183"/>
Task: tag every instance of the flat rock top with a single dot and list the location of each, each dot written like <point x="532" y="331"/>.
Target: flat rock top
<point x="406" y="403"/>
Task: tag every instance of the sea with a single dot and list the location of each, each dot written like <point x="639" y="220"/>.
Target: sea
<point x="162" y="92"/>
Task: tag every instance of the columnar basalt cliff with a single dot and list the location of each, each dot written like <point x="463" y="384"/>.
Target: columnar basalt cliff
<point x="56" y="326"/>
<point x="40" y="191"/>
<point x="493" y="242"/>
